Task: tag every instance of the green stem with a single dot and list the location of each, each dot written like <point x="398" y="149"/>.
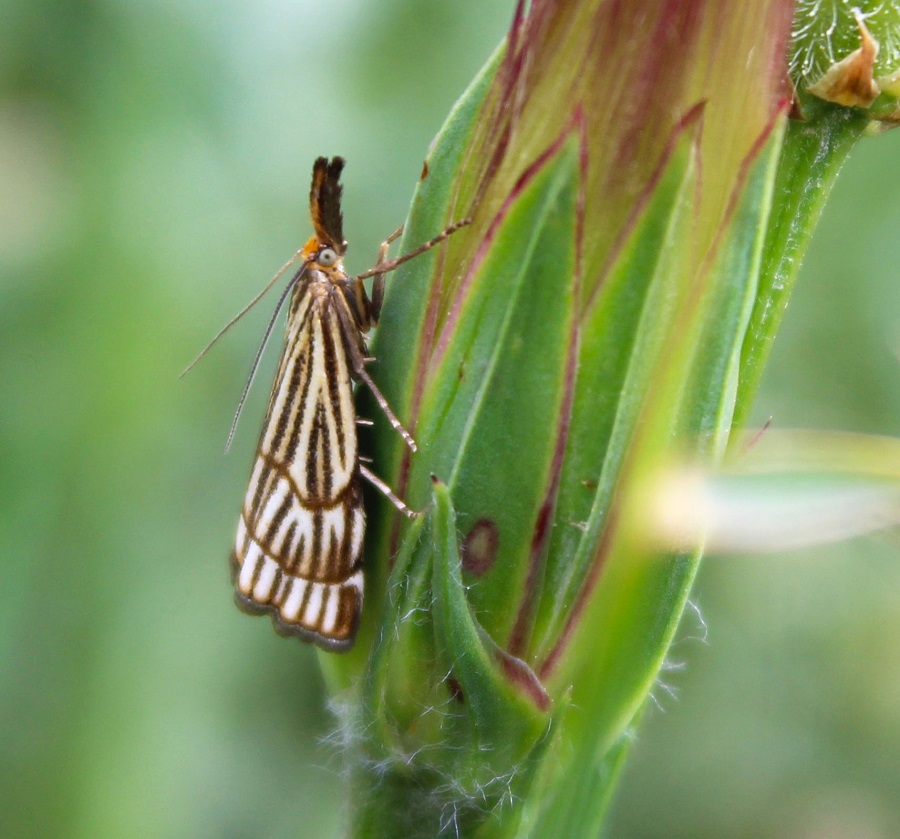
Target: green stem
<point x="814" y="151"/>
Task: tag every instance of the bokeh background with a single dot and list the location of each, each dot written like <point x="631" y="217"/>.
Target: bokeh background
<point x="154" y="166"/>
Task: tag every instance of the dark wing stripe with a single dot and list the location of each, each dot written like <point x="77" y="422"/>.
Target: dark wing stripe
<point x="335" y="376"/>
<point x="296" y="362"/>
<point x="297" y="376"/>
<point x="298" y="397"/>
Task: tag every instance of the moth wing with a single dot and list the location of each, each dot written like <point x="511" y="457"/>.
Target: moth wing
<point x="298" y="551"/>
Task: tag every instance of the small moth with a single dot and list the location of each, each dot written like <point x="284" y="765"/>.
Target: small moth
<point x="298" y="551"/>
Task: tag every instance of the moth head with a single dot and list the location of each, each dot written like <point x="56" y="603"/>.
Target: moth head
<point x="322" y="255"/>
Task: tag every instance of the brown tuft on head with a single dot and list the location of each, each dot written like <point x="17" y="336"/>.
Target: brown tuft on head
<point x="325" y="202"/>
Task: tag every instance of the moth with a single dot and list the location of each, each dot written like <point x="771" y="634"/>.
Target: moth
<point x="299" y="545"/>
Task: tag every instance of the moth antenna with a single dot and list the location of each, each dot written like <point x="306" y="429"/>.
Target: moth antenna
<point x="242" y="312"/>
<point x="262" y="346"/>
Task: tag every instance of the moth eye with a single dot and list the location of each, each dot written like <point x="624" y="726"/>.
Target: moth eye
<point x="326" y="257"/>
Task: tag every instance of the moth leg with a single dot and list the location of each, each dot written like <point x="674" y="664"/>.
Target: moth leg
<point x="391" y="264"/>
<point x="358" y="362"/>
<point x="386" y="491"/>
<point x="360" y="371"/>
<point x="378" y="282"/>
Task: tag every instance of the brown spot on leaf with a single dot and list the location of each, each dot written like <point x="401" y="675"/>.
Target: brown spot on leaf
<point x="455" y="689"/>
<point x="479" y="548"/>
<point x="424" y="170"/>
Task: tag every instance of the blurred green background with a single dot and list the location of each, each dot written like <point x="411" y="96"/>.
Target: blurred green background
<point x="154" y="168"/>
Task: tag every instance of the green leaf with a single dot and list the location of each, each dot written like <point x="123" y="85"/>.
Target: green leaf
<point x="493" y="375"/>
<point x="780" y="491"/>
<point x="613" y="648"/>
<point x="498" y="739"/>
<point x="620" y="344"/>
<point x="470" y="736"/>
<point x="722" y="313"/>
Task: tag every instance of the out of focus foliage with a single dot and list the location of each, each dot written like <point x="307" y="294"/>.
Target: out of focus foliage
<point x="154" y="162"/>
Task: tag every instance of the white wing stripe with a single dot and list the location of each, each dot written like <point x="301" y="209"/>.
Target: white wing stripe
<point x="313" y="605"/>
<point x="291" y="608"/>
<point x="264" y="581"/>
<point x="248" y="569"/>
<point x="331" y="608"/>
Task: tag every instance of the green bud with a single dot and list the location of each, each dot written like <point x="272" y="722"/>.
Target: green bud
<point x="609" y="308"/>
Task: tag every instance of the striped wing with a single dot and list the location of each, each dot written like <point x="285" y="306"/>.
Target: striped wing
<point x="298" y="552"/>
